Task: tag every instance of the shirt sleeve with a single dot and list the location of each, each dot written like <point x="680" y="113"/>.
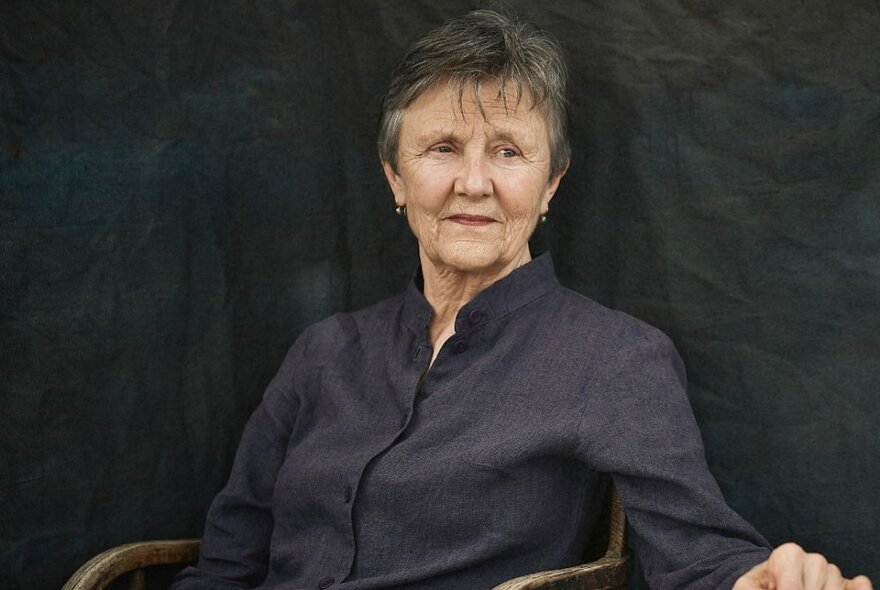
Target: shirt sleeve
<point x="639" y="427"/>
<point x="234" y="552"/>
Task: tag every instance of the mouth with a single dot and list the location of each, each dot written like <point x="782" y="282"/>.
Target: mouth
<point x="470" y="220"/>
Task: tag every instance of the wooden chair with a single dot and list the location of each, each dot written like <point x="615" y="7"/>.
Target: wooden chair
<point x="133" y="560"/>
<point x="609" y="566"/>
<point x="609" y="572"/>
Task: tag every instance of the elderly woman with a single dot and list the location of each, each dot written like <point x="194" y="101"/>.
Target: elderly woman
<point x="464" y="432"/>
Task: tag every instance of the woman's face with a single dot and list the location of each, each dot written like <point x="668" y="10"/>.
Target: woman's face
<point x="474" y="183"/>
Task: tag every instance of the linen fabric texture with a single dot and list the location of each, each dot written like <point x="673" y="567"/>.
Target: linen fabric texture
<point x="364" y="469"/>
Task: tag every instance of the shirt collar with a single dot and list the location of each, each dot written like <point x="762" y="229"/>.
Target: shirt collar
<point x="521" y="286"/>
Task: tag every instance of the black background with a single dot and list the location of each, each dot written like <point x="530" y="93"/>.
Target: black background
<point x="186" y="185"/>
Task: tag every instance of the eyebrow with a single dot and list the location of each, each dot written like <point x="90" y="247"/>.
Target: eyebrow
<point x="446" y="134"/>
<point x="505" y="135"/>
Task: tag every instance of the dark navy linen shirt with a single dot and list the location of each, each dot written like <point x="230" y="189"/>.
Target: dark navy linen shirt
<point x="364" y="469"/>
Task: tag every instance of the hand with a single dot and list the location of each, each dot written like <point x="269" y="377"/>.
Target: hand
<point x="792" y="568"/>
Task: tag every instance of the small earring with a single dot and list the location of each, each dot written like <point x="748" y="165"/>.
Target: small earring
<point x="401" y="210"/>
<point x="543" y="219"/>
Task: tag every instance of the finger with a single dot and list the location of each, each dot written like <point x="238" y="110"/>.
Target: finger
<point x="757" y="578"/>
<point x="833" y="578"/>
<point x="859" y="583"/>
<point x="747" y="583"/>
<point x="815" y="570"/>
<point x="786" y="566"/>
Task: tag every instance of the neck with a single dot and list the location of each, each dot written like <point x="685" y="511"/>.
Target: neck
<point x="448" y="290"/>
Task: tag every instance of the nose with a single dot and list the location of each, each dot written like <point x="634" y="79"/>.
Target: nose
<point x="474" y="177"/>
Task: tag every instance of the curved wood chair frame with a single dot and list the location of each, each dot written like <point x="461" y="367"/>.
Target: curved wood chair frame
<point x="610" y="572"/>
<point x="101" y="570"/>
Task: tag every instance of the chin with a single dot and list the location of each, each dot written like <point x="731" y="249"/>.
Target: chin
<point x="471" y="259"/>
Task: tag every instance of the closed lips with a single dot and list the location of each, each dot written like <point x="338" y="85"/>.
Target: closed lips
<point x="470" y="219"/>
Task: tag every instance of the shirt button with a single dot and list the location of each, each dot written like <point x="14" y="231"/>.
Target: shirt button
<point x="326" y="583"/>
<point x="475" y="317"/>
<point x="459" y="346"/>
<point x="347" y="494"/>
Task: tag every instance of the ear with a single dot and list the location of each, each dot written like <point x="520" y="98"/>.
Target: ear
<point x="395" y="182"/>
<point x="551" y="187"/>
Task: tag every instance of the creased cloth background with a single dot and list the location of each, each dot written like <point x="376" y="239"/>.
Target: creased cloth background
<point x="186" y="185"/>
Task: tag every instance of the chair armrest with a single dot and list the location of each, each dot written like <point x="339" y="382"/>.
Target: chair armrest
<point x="102" y="569"/>
<point x="610" y="572"/>
<point x="604" y="573"/>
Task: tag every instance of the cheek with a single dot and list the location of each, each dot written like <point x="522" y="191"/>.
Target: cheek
<point x="429" y="192"/>
<point x="524" y="200"/>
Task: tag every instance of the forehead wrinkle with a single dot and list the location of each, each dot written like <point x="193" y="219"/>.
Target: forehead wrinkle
<point x="509" y="94"/>
<point x="502" y="120"/>
<point x="474" y="104"/>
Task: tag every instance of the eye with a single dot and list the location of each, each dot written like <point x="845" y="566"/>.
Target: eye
<point x="507" y="152"/>
<point x="442" y="149"/>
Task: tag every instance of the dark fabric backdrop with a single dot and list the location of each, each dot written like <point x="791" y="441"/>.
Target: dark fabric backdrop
<point x="186" y="184"/>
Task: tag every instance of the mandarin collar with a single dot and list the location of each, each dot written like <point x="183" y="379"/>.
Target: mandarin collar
<point x="521" y="286"/>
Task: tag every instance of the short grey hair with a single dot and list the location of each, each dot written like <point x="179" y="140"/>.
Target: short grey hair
<point x="481" y="46"/>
